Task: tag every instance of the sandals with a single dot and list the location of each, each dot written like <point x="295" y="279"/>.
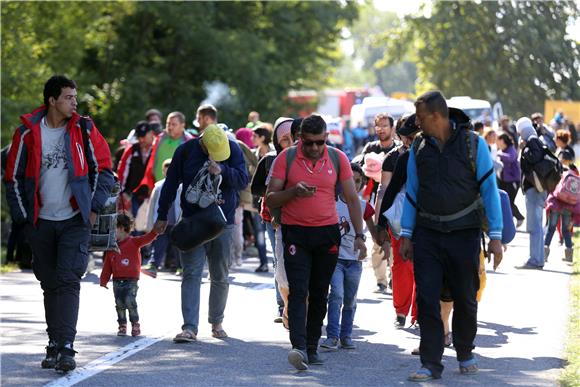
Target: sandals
<point x="285" y="322"/>
<point x="186" y="336"/>
<point x="468" y="367"/>
<point x="219" y="333"/>
<point x="422" y="375"/>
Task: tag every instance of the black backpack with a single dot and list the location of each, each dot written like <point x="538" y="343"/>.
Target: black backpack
<point x="546" y="173"/>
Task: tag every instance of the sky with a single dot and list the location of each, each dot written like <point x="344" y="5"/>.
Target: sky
<point x="401" y="8"/>
<point x="405" y="7"/>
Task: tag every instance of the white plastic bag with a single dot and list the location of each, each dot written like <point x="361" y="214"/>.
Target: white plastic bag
<point x="141" y="218"/>
<point x="395" y="213"/>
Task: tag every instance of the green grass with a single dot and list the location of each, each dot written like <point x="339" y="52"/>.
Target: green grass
<point x="571" y="375"/>
<point x="6" y="267"/>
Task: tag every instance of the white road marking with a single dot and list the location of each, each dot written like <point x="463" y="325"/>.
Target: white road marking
<point x="104" y="362"/>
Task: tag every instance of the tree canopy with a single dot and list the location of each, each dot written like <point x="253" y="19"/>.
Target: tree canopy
<point x="515" y="52"/>
<point x="129" y="56"/>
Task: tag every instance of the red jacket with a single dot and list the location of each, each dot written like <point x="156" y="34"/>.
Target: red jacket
<point x="90" y="177"/>
<point x="125" y="264"/>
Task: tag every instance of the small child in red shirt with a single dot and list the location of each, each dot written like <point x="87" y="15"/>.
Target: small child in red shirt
<point x="125" y="266"/>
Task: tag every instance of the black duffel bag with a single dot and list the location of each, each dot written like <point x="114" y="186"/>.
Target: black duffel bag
<point x="203" y="226"/>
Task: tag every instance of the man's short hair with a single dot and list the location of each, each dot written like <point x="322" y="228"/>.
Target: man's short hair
<point x="207" y="110"/>
<point x="477" y="126"/>
<point x="504" y="118"/>
<point x="313" y="124"/>
<point x="253" y="115"/>
<point x="179" y="115"/>
<point x="53" y="87"/>
<point x="434" y="101"/>
<point x="537" y="115"/>
<point x="384" y="116"/>
<point x="153" y="112"/>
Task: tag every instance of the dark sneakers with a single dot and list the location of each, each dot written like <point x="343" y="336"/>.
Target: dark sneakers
<point x="65" y="361"/>
<point x="51" y="353"/>
<point x="314" y="358"/>
<point x="298" y="359"/>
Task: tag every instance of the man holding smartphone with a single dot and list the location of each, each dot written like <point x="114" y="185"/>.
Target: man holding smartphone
<point x="306" y="194"/>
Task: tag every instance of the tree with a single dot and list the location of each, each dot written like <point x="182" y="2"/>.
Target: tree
<point x="368" y="33"/>
<point x="514" y="52"/>
<point x="129" y="56"/>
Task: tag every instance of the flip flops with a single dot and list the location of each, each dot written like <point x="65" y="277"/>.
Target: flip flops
<point x="422" y="375"/>
<point x="468" y="367"/>
<point x="186" y="336"/>
<point x="219" y="333"/>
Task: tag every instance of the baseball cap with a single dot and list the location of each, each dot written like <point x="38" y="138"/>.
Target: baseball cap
<point x="216" y="141"/>
<point x="408" y="127"/>
<point x="142" y="128"/>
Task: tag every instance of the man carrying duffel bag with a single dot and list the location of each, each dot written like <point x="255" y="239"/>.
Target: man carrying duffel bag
<point x="212" y="171"/>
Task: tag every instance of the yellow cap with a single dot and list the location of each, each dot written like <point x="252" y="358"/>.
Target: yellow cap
<point x="216" y="141"/>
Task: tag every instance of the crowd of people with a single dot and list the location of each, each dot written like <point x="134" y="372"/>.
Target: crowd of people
<point x="434" y="191"/>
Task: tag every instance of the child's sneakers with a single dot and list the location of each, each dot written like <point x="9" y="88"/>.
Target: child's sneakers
<point x="122" y="330"/>
<point x="135" y="329"/>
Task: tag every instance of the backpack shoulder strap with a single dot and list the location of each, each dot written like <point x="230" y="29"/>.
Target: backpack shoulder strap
<point x="472" y="141"/>
<point x="417" y="143"/>
<point x="335" y="159"/>
<point x="290" y="157"/>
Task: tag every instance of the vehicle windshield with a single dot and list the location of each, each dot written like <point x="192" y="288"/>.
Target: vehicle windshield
<point x="478" y="114"/>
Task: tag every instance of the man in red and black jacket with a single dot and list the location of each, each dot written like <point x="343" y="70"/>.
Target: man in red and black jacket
<point x="58" y="177"/>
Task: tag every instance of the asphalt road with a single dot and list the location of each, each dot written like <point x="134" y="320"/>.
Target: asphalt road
<point x="520" y="341"/>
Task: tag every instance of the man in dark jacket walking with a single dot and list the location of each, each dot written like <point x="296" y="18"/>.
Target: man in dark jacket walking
<point x="58" y="178"/>
<point x="223" y="157"/>
<point x="450" y="181"/>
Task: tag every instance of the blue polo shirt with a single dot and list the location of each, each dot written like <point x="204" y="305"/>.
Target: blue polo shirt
<point x="187" y="160"/>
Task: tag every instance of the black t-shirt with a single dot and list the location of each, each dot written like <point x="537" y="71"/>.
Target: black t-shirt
<point x="375" y="146"/>
<point x="391" y="159"/>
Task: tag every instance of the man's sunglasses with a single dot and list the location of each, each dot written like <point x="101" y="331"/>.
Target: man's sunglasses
<point x="310" y="143"/>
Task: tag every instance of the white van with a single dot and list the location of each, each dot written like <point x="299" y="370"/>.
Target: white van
<point x="363" y="115"/>
<point x="476" y="109"/>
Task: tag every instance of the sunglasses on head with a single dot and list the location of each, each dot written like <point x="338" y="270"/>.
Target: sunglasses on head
<point x="310" y="143"/>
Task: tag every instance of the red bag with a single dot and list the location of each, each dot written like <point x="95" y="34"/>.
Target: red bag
<point x="568" y="190"/>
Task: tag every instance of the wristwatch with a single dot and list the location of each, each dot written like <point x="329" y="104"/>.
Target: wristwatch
<point x="361" y="236"/>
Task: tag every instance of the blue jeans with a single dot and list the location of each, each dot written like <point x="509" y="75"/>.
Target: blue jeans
<point x="272" y="236"/>
<point x="553" y="218"/>
<point x="343" y="289"/>
<point x="260" y="236"/>
<point x="217" y="252"/>
<point x="534" y="211"/>
<point x="125" y="292"/>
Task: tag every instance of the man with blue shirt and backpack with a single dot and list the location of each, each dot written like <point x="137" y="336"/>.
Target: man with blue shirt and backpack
<point x="450" y="181"/>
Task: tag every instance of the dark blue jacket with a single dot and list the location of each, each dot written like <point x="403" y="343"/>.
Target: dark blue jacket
<point x="186" y="162"/>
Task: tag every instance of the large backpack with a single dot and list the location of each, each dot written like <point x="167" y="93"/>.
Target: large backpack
<point x="546" y="173"/>
<point x="276" y="212"/>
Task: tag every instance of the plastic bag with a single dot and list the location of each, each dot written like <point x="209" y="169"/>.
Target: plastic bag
<point x="395" y="213"/>
<point x="141" y="218"/>
<point x="103" y="234"/>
